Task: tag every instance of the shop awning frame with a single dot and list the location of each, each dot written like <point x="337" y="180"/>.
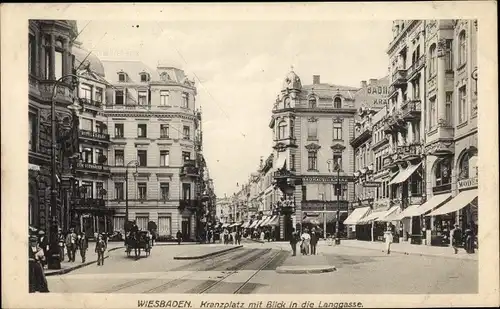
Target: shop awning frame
<point x="274" y="222"/>
<point x="269" y="219"/>
<point x="373" y="216"/>
<point x="391" y="214"/>
<point x="431" y="204"/>
<point x="254" y="224"/>
<point x="407" y="212"/>
<point x="261" y="222"/>
<point x="405" y="174"/>
<point x="460" y="201"/>
<point x="356" y="215"/>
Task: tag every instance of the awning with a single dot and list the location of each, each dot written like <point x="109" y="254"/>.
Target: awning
<point x="281" y="161"/>
<point x="432" y="203"/>
<point x="356" y="215"/>
<point x="264" y="219"/>
<point x="269" y="219"/>
<point x="313" y="220"/>
<point x="372" y="217"/>
<point x="406" y="212"/>
<point x="404" y="174"/>
<point x="245" y="225"/>
<point x="463" y="199"/>
<point x="274" y="222"/>
<point x="255" y="223"/>
<point x="391" y="214"/>
<point x="225" y="225"/>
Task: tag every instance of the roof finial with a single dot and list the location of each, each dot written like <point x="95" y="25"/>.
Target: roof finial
<point x="291" y="67"/>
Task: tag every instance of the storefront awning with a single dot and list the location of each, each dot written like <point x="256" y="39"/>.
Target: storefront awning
<point x="280" y="161"/>
<point x="405" y="174"/>
<point x="356" y="215"/>
<point x="268" y="219"/>
<point x="463" y="199"/>
<point x="406" y="212"/>
<point x="225" y="225"/>
<point x="245" y="225"/>
<point x="372" y="217"/>
<point x="274" y="222"/>
<point x="432" y="203"/>
<point x="262" y="221"/>
<point x="391" y="214"/>
<point x="254" y="224"/>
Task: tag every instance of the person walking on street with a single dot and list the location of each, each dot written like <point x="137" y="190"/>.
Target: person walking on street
<point x="314" y="241"/>
<point x="456" y="238"/>
<point x="71" y="245"/>
<point x="44" y="245"/>
<point x="262" y="236"/>
<point x="388" y="238"/>
<point x="238" y="237"/>
<point x="37" y="280"/>
<point x="233" y="235"/>
<point x="60" y="238"/>
<point x="179" y="237"/>
<point x="306" y="240"/>
<point x="100" y="248"/>
<point x="83" y="245"/>
<point x="293" y="242"/>
<point x="469" y="240"/>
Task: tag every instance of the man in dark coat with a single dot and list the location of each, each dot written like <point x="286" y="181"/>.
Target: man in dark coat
<point x="314" y="241"/>
<point x="83" y="245"/>
<point x="71" y="245"/>
<point x="293" y="242"/>
<point x="179" y="237"/>
<point x="456" y="238"/>
<point x="37" y="280"/>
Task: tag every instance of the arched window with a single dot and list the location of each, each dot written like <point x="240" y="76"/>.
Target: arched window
<point x="443" y="172"/>
<point x="282" y="130"/>
<point x="337" y="102"/>
<point x="433" y="60"/>
<point x="462" y="48"/>
<point x="286" y="103"/>
<point x="468" y="165"/>
<point x="312" y="102"/>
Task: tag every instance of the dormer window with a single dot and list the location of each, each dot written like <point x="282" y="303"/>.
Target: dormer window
<point x="121" y="77"/>
<point x="144" y="77"/>
<point x="165" y="76"/>
<point x="312" y="102"/>
<point x="337" y="102"/>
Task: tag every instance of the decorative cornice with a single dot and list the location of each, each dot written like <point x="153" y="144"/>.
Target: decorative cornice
<point x="312" y="119"/>
<point x="313" y="146"/>
<point x="338" y="119"/>
<point x="337" y="147"/>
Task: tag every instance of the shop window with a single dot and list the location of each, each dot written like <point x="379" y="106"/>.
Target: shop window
<point x="442" y="174"/>
<point x="468" y="166"/>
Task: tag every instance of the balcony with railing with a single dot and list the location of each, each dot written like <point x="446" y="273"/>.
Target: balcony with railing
<point x="189" y="169"/>
<point x="85" y="102"/>
<point x="87" y="134"/>
<point x="441" y="188"/>
<point x="415" y="67"/>
<point x="92" y="167"/>
<point x="399" y="78"/>
<point x="411" y="109"/>
<point x="89" y="204"/>
<point x="402" y="153"/>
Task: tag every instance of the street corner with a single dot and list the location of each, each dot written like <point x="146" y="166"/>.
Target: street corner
<point x="211" y="252"/>
<point x="305" y="269"/>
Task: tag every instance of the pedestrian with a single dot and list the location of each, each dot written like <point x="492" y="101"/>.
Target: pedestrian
<point x="306" y="239"/>
<point x="388" y="238"/>
<point x="469" y="240"/>
<point x="238" y="237"/>
<point x="293" y="242"/>
<point x="179" y="237"/>
<point x="71" y="244"/>
<point x="262" y="236"/>
<point x="44" y="245"/>
<point x="233" y="235"/>
<point x="60" y="237"/>
<point x="37" y="280"/>
<point x="456" y="238"/>
<point x="314" y="241"/>
<point x="83" y="245"/>
<point x="100" y="248"/>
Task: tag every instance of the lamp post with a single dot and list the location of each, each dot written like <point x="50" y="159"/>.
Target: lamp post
<point x="126" y="189"/>
<point x="53" y="260"/>
<point x="337" y="167"/>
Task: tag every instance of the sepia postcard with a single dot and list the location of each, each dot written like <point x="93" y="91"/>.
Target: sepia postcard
<point x="270" y="155"/>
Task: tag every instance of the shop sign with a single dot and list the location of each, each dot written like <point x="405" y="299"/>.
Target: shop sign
<point x="325" y="179"/>
<point x="467" y="183"/>
<point x="320" y="206"/>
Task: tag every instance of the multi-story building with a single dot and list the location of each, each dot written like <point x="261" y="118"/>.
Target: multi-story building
<point x="155" y="147"/>
<point x="50" y="58"/>
<point x="92" y="170"/>
<point x="223" y="210"/>
<point x="312" y="126"/>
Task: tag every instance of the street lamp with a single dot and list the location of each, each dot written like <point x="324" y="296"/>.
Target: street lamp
<point x="53" y="260"/>
<point x="125" y="224"/>
<point x="336" y="167"/>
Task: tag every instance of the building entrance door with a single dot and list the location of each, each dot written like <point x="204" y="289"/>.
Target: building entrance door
<point x="186" y="228"/>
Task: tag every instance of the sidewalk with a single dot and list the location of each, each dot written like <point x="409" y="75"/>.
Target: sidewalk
<point x="305" y="264"/>
<point x="408" y="249"/>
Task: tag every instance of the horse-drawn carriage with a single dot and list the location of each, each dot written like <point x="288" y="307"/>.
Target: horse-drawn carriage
<point x="139" y="240"/>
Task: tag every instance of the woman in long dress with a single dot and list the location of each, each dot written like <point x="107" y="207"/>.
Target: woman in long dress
<point x="306" y="240"/>
<point x="388" y="238"/>
<point x="37" y="280"/>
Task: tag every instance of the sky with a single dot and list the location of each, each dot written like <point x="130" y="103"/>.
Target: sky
<point x="239" y="68"/>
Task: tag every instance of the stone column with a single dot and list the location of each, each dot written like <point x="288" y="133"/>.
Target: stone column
<point x="52" y="67"/>
<point x="441" y="80"/>
<point x="66" y="67"/>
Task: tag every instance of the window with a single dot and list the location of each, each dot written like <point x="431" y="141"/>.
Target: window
<point x="304" y="193"/>
<point x="286" y="103"/>
<point x="186" y="155"/>
<point x="143" y="98"/>
<point x="98" y="94"/>
<point x="121" y="77"/>
<point x="86" y="92"/>
<point x="142" y="157"/>
<point x="186" y="191"/>
<point x="312" y="102"/>
<point x="100" y="127"/>
<point x="416" y="89"/>
<point x="292" y="162"/>
<point x="448" y="106"/>
<point x="415" y="185"/>
<point x="58" y="64"/>
<point x="99" y="188"/>
<point x="48" y="60"/>
<point x="164" y="158"/>
<point x="337" y="103"/>
<point x="185" y="132"/>
<point x="32" y="50"/>
<point x="99" y="155"/>
<point x="142" y="190"/>
<point x="119" y="130"/>
<point x="282" y="130"/>
<point x="337" y="131"/>
<point x="433" y="60"/>
<point x="164" y="226"/>
<point x="142" y="130"/>
<point x="467" y="166"/>
<point x="448" y="58"/>
<point x="164" y="131"/>
<point x="119" y="100"/>
<point x="443" y="172"/>
<point x="119" y="192"/>
<point x="462" y="104"/>
<point x="432" y="113"/>
<point x="119" y="224"/>
<point x="87" y="124"/>
<point x="462" y="48"/>
<point x="337" y="161"/>
<point x="119" y="158"/>
<point x="164" y="95"/>
<point x="312" y="130"/>
<point x="33" y="124"/>
<point x="185" y="100"/>
<point x="88" y="191"/>
<point x="312" y="158"/>
<point x="142" y="221"/>
<point x="144" y="78"/>
<point x="292" y="128"/>
<point x="87" y="155"/>
<point x="164" y="190"/>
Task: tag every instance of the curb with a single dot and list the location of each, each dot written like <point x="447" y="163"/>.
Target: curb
<point x="297" y="270"/>
<point x="70" y="269"/>
<point x="457" y="257"/>
<point x="197" y="257"/>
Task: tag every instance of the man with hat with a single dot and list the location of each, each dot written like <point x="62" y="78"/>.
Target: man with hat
<point x="44" y="244"/>
<point x="456" y="238"/>
<point x="71" y="244"/>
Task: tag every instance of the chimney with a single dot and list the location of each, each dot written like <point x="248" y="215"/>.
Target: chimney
<point x="373" y="81"/>
<point x="316" y="79"/>
<point x="363" y="84"/>
<point x="261" y="162"/>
